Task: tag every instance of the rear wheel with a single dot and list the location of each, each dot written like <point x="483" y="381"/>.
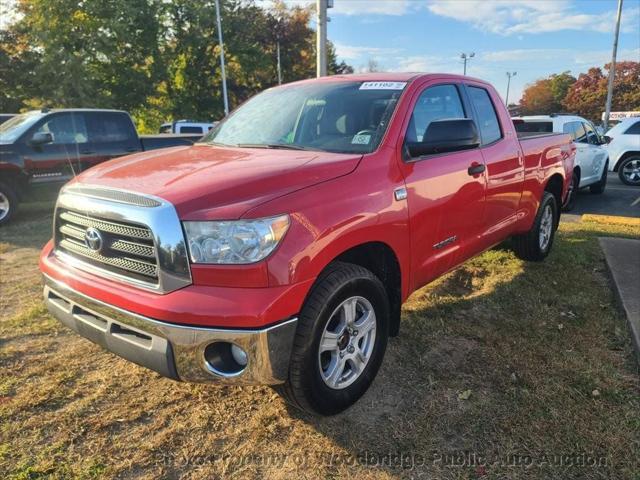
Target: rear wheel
<point x="536" y="244"/>
<point x="629" y="171"/>
<point x="573" y="192"/>
<point x="8" y="203"/>
<point x="340" y="341"/>
<point x="598" y="188"/>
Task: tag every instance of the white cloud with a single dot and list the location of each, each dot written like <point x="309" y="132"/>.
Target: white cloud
<point x="570" y="56"/>
<point x="507" y="17"/>
<point x="352" y="52"/>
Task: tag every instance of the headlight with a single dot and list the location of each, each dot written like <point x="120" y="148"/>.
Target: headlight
<point x="234" y="242"/>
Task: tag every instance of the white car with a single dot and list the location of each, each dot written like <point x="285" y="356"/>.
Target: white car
<point x="591" y="153"/>
<point x="186" y="126"/>
<point x="624" y="150"/>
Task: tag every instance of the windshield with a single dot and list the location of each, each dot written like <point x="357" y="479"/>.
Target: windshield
<point x="334" y="117"/>
<point x="16" y="126"/>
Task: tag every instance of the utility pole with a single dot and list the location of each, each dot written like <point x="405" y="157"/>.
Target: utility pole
<point x="222" y="69"/>
<point x="321" y="36"/>
<point x="509" y="75"/>
<point x="466" y="57"/>
<point x="278" y="37"/>
<point x="612" y="68"/>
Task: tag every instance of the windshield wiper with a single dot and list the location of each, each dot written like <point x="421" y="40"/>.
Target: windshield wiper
<point x="284" y="146"/>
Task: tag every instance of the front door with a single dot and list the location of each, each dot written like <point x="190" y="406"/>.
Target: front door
<point x="445" y="202"/>
<point x="63" y="158"/>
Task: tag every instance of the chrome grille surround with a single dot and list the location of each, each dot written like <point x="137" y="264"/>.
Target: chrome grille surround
<point x="145" y="245"/>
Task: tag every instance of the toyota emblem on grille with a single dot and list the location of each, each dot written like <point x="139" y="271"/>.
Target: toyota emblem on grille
<point x="93" y="239"/>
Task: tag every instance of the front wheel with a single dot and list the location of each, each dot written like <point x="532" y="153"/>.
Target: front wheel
<point x="536" y="244"/>
<point x="340" y="341"/>
<point x="629" y="171"/>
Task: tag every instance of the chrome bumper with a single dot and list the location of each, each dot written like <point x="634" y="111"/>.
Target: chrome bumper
<point x="172" y="350"/>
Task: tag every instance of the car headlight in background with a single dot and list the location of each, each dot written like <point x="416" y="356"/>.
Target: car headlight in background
<point x="234" y="241"/>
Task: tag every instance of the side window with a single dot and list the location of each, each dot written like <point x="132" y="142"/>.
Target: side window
<point x="580" y="134"/>
<point x="487" y="118"/>
<point x="633" y="129"/>
<point x="108" y="127"/>
<point x="435" y="103"/>
<point x="570" y="128"/>
<point x="592" y="136"/>
<point x="66" y="128"/>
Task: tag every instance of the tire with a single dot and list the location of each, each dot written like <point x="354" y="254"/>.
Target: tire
<point x="8" y="203"/>
<point x="573" y="192"/>
<point x="308" y="385"/>
<point x="530" y="245"/>
<point x="598" y="188"/>
<point x="629" y="171"/>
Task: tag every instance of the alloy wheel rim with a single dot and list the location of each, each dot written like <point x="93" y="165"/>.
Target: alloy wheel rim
<point x="4" y="206"/>
<point x="546" y="227"/>
<point x="631" y="171"/>
<point x="347" y="342"/>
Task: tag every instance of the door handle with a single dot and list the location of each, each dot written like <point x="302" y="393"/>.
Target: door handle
<point x="476" y="169"/>
<point x="87" y="152"/>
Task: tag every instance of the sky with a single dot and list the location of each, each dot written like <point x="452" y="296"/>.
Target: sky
<point x="534" y="38"/>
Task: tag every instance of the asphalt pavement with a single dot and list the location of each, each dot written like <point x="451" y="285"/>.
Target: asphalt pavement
<point x="618" y="199"/>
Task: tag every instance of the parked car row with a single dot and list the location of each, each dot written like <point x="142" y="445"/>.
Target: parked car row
<point x="49" y="147"/>
<point x="617" y="151"/>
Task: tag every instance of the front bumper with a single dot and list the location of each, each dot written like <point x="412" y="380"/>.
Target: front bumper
<point x="174" y="351"/>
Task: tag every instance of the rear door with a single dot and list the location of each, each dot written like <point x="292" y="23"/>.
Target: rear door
<point x="505" y="165"/>
<point x="111" y="135"/>
<point x="446" y="203"/>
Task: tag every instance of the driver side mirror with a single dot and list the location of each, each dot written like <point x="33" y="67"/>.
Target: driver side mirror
<point x="606" y="139"/>
<point x="444" y="136"/>
<point x="41" y="138"/>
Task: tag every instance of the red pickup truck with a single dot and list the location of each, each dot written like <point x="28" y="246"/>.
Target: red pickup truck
<point x="280" y="248"/>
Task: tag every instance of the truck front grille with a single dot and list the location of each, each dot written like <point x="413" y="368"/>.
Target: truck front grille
<point x="123" y="249"/>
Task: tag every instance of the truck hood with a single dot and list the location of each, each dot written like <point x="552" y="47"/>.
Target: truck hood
<point x="206" y="182"/>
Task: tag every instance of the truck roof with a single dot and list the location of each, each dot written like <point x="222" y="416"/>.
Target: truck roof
<point x="54" y="110"/>
<point x="387" y="77"/>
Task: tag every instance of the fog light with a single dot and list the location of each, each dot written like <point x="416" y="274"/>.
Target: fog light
<point x="225" y="359"/>
<point x="239" y="355"/>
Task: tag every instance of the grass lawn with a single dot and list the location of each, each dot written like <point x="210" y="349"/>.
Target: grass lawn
<point x="503" y="369"/>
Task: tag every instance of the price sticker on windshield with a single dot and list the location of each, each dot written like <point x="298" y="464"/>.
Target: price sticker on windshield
<point x="383" y="85"/>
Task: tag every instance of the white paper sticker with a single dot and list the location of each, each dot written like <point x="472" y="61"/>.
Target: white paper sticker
<point x="361" y="139"/>
<point x="383" y="85"/>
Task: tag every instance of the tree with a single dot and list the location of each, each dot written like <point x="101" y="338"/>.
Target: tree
<point x="157" y="59"/>
<point x="546" y="95"/>
<point x="588" y="94"/>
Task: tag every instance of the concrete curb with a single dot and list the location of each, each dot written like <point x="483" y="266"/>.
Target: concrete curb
<point x="611" y="219"/>
<point x="623" y="261"/>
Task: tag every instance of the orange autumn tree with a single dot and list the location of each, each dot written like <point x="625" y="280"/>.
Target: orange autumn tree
<point x="588" y="95"/>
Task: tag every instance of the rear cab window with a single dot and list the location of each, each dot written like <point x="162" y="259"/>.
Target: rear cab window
<point x="533" y="127"/>
<point x="488" y="123"/>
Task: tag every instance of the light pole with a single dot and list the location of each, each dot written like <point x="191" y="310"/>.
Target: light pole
<point x="222" y="69"/>
<point x="612" y="68"/>
<point x="465" y="57"/>
<point x="321" y="38"/>
<point x="509" y="75"/>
